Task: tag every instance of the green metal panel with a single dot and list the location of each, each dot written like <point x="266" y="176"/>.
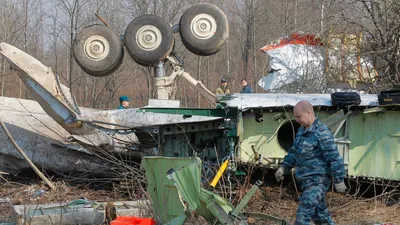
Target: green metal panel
<point x="260" y="135"/>
<point x="163" y="192"/>
<point x="375" y="145"/>
<point x="187" y="180"/>
<point x="262" y="138"/>
<point x="177" y="146"/>
<point x="184" y="174"/>
<point x="186" y="140"/>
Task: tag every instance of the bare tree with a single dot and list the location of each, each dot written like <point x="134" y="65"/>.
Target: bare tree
<point x="67" y="20"/>
<point x="253" y="24"/>
<point x="10" y="16"/>
<point x="379" y="22"/>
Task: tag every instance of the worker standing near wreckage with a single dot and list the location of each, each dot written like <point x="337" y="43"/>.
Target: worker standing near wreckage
<point x="223" y="88"/>
<point x="123" y="102"/>
<point x="245" y="87"/>
<point x="316" y="159"/>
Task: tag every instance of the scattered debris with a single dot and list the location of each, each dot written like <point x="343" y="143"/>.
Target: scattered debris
<point x="26" y="157"/>
<point x="79" y="211"/>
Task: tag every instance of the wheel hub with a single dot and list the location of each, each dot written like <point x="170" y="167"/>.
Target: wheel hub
<point x="148" y="37"/>
<point x="96" y="48"/>
<point x="203" y="26"/>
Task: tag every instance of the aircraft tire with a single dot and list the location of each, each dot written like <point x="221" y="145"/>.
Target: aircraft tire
<point x="149" y="39"/>
<point x="203" y="29"/>
<point x="98" y="50"/>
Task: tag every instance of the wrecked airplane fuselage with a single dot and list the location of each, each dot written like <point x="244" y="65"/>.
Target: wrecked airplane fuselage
<point x="367" y="135"/>
<point x="246" y="128"/>
<point x="260" y="128"/>
<point x="98" y="131"/>
<point x="42" y="139"/>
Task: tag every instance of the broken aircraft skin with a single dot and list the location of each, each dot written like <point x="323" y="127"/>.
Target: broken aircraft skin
<point x="260" y="128"/>
<point x="246" y="128"/>
<point x="42" y="139"/>
<point x="97" y="132"/>
<point x="173" y="180"/>
<point x="250" y="128"/>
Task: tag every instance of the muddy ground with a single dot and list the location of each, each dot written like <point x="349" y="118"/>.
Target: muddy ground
<point x="274" y="199"/>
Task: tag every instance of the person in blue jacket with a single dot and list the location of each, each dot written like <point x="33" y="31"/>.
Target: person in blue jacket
<point x="246" y="87"/>
<point x="123" y="102"/>
<point x="316" y="159"/>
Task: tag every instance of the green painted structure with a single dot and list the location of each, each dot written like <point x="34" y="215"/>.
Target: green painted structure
<point x="174" y="185"/>
<point x="374" y="150"/>
<point x="368" y="136"/>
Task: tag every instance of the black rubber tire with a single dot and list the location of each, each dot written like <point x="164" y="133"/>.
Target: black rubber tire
<point x="209" y="45"/>
<point x="109" y="62"/>
<point x="143" y="56"/>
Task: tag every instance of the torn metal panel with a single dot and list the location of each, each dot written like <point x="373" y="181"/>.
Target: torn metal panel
<point x="246" y="101"/>
<point x="134" y="118"/>
<point x="185" y="173"/>
<point x="77" y="212"/>
<point x="42" y="84"/>
<point x="187" y="180"/>
<point x="210" y="206"/>
<point x="29" y="113"/>
<point x="53" y="97"/>
<point x="95" y="139"/>
<point x="164" y="195"/>
<point x="299" y="61"/>
<point x="91" y="127"/>
<point x="40" y="137"/>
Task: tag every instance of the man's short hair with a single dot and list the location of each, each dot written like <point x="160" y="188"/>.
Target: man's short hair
<point x="124" y="98"/>
<point x="244" y="79"/>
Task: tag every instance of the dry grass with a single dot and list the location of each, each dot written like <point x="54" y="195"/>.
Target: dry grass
<point x="345" y="210"/>
<point x="274" y="200"/>
<point x="30" y="194"/>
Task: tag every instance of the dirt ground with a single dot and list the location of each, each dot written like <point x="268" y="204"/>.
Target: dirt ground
<point x="32" y="191"/>
<point x="345" y="210"/>
<point x="277" y="201"/>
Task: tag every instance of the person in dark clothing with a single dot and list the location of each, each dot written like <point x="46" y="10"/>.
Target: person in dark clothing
<point x="123" y="102"/>
<point x="246" y="87"/>
<point x="316" y="160"/>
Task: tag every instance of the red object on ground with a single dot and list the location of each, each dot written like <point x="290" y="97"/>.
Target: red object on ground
<point x="131" y="220"/>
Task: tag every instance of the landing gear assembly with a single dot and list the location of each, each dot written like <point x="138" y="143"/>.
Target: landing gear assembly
<point x="150" y="41"/>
